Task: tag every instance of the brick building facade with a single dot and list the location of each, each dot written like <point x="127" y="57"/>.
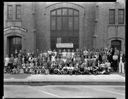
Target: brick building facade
<point x="39" y="25"/>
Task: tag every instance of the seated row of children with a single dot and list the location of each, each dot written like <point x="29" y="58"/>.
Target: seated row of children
<point x="87" y="66"/>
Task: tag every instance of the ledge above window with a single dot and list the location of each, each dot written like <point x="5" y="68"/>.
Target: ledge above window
<point x="12" y="20"/>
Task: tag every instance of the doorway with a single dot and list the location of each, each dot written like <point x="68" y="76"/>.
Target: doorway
<point x="64" y="24"/>
<point x="116" y="44"/>
<point x="14" y="43"/>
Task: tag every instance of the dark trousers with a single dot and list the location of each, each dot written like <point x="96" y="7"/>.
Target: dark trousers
<point x="10" y="65"/>
<point x="115" y="65"/>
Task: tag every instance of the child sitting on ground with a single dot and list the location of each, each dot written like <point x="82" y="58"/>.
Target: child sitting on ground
<point x="42" y="70"/>
<point x="64" y="69"/>
<point x="71" y="69"/>
<point x="14" y="70"/>
<point x="107" y="67"/>
<point x="101" y="69"/>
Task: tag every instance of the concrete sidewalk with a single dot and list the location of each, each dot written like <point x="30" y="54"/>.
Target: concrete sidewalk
<point x="113" y="79"/>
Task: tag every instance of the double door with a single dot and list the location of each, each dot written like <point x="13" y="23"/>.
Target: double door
<point x="116" y="44"/>
<point x="14" y="43"/>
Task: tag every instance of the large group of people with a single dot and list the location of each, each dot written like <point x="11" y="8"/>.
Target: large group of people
<point x="66" y="61"/>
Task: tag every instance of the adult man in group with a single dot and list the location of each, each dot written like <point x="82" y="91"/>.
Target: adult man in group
<point x="49" y="53"/>
<point x="115" y="62"/>
<point x="121" y="62"/>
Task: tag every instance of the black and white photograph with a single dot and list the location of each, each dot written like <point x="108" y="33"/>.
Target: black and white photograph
<point x="64" y="49"/>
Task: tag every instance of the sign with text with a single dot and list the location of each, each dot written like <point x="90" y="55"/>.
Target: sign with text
<point x="64" y="45"/>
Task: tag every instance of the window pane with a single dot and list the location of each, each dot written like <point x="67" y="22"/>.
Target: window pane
<point x="121" y="11"/>
<point x="59" y="12"/>
<point x="53" y="12"/>
<point x="65" y="23"/>
<point x="112" y="16"/>
<point x="58" y="23"/>
<point x="14" y="40"/>
<point x="18" y="11"/>
<point x="53" y="23"/>
<point x="59" y="40"/>
<point x="64" y="11"/>
<point x="76" y="23"/>
<point x="70" y="23"/>
<point x="75" y="12"/>
<point x="70" y="12"/>
<point x="18" y="40"/>
<point x="121" y="16"/>
<point x="9" y="12"/>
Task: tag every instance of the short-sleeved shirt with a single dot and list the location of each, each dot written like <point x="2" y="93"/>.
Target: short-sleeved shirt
<point x="6" y="61"/>
<point x="115" y="57"/>
<point x="11" y="60"/>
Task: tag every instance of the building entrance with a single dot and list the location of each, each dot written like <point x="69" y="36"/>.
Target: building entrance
<point x="116" y="44"/>
<point x="14" y="43"/>
<point x="65" y="26"/>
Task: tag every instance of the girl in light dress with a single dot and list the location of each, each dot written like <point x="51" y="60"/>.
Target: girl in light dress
<point x="27" y="65"/>
<point x="71" y="69"/>
<point x="53" y="58"/>
<point x="31" y="67"/>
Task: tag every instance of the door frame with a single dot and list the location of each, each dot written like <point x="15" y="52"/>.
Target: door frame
<point x="117" y="41"/>
<point x="8" y="42"/>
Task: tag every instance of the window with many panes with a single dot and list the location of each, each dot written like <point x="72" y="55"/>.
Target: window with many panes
<point x="111" y="16"/>
<point x="121" y="16"/>
<point x="18" y="11"/>
<point x="64" y="19"/>
<point x="64" y="25"/>
<point x="9" y="12"/>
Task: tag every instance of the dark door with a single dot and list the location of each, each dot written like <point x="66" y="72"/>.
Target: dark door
<point x="116" y="44"/>
<point x="14" y="43"/>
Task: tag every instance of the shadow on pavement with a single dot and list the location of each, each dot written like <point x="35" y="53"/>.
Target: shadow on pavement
<point x="16" y="76"/>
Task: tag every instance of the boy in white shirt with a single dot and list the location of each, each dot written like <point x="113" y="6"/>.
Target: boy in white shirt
<point x="6" y="61"/>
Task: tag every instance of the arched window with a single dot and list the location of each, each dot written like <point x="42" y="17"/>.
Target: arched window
<point x="14" y="43"/>
<point x="64" y="25"/>
<point x="64" y="19"/>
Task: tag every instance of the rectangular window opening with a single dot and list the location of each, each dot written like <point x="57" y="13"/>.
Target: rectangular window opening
<point x="111" y="16"/>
